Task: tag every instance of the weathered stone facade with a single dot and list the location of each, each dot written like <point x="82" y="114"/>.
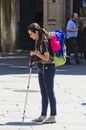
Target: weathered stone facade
<point x="53" y="17"/>
<point x="54" y="14"/>
<point x="9" y="29"/>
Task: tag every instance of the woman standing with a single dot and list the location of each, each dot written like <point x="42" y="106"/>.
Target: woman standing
<point x="46" y="71"/>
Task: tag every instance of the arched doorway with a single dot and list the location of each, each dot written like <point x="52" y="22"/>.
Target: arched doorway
<point x="30" y="11"/>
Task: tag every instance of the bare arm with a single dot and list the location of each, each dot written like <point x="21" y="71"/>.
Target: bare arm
<point x="44" y="56"/>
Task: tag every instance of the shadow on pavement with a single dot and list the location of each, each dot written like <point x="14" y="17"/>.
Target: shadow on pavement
<point x="15" y="65"/>
<point x="83" y="104"/>
<point x="71" y="70"/>
<point x="21" y="124"/>
<point x="18" y="64"/>
<point x="24" y="91"/>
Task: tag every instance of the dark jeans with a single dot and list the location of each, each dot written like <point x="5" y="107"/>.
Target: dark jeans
<point x="46" y="81"/>
<point x="72" y="47"/>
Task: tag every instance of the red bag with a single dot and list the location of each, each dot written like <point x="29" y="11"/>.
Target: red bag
<point x="55" y="43"/>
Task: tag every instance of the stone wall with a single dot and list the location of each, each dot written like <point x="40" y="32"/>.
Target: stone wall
<point x="9" y="20"/>
<point x="54" y="14"/>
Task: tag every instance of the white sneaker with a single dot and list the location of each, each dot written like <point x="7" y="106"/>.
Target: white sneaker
<point x="51" y="120"/>
<point x="39" y="119"/>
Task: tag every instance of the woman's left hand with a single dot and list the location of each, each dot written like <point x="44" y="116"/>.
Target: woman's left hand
<point x="32" y="53"/>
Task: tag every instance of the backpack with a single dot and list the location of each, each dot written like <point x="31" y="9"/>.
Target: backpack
<point x="57" y="45"/>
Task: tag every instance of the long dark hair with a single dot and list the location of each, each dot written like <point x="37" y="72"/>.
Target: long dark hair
<point x="43" y="34"/>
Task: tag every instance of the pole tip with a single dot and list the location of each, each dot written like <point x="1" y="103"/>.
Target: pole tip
<point x="22" y="119"/>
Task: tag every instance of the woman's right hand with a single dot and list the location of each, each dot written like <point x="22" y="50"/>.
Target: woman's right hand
<point x="31" y="64"/>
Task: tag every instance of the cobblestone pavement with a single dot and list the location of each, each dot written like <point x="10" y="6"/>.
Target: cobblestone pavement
<point x="70" y="90"/>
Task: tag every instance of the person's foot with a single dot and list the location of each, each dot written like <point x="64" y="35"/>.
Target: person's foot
<point x="50" y="120"/>
<point x="39" y="119"/>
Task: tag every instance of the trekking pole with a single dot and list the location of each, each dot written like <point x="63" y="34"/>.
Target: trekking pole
<point x="27" y="94"/>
